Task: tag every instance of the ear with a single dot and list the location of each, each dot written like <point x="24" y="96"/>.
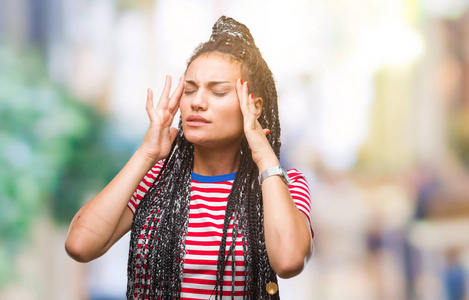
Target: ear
<point x="258" y="103"/>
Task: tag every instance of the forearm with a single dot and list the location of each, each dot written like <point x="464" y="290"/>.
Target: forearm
<point x="287" y="234"/>
<point x="94" y="226"/>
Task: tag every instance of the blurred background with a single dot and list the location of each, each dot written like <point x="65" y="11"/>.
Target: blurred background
<point x="374" y="104"/>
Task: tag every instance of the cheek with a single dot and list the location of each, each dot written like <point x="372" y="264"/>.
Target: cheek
<point x="234" y="117"/>
<point x="184" y="111"/>
<point x="184" y="105"/>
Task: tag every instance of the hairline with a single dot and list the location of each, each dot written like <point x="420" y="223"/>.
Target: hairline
<point x="243" y="68"/>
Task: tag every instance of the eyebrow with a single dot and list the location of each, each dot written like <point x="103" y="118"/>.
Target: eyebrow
<point x="209" y="84"/>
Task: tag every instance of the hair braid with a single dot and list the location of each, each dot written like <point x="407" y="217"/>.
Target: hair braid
<point x="156" y="269"/>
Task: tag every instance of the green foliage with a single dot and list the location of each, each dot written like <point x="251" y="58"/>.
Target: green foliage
<point x="96" y="159"/>
<point x="54" y="151"/>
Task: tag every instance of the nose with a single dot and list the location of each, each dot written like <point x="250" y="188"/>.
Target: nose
<point x="199" y="101"/>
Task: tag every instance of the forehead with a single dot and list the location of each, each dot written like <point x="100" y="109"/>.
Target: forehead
<point x="213" y="66"/>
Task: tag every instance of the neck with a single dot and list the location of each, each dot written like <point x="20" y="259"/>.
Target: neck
<point x="211" y="162"/>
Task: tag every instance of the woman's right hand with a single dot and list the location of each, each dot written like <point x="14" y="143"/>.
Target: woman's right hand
<point x="105" y="218"/>
<point x="160" y="136"/>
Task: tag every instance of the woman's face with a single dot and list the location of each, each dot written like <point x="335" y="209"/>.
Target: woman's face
<point x="210" y="111"/>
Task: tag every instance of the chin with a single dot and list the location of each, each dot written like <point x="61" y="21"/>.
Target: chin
<point x="194" y="138"/>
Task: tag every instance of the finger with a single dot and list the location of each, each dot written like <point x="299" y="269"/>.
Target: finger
<point x="248" y="102"/>
<point x="149" y="104"/>
<point x="266" y="131"/>
<point x="241" y="90"/>
<point x="253" y="111"/>
<point x="176" y="96"/>
<point x="163" y="103"/>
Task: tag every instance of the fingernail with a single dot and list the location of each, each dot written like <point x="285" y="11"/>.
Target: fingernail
<point x="251" y="96"/>
<point x="241" y="79"/>
<point x="267" y="132"/>
<point x="247" y="84"/>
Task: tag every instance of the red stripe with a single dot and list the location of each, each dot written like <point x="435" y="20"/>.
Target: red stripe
<point x="214" y="272"/>
<point x="210" y="198"/>
<point x="210" y="207"/>
<point x="208" y="224"/>
<point x="210" y="292"/>
<point x="206" y="215"/>
<point x="302" y="206"/>
<point x="210" y="234"/>
<point x="299" y="195"/>
<point x="301" y="184"/>
<point x="207" y="262"/>
<point x="211" y="252"/>
<point x="210" y="282"/>
<point x="147" y="182"/>
<point x="141" y="188"/>
<point x="209" y="243"/>
<point x="204" y="189"/>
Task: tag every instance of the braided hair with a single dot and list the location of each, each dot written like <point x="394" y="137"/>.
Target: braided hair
<point x="161" y="220"/>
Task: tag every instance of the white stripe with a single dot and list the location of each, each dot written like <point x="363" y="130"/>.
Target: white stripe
<point x="206" y="220"/>
<point x="210" y="202"/>
<point x="211" y="248"/>
<point x="211" y="195"/>
<point x="202" y="210"/>
<point x="204" y="257"/>
<point x="208" y="239"/>
<point x="212" y="185"/>
<point x="208" y="228"/>
<point x="210" y="277"/>
<point x="198" y="247"/>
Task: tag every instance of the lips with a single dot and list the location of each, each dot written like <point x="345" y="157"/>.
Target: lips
<point x="196" y="120"/>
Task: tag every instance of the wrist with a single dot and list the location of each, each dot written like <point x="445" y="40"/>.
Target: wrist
<point x="277" y="170"/>
<point x="267" y="162"/>
<point x="145" y="159"/>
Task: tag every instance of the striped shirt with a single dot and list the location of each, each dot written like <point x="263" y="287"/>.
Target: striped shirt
<point x="209" y="195"/>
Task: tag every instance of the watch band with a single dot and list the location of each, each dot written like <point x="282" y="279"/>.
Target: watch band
<point x="277" y="170"/>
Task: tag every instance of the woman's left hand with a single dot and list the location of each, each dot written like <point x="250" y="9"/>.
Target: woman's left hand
<point x="251" y="108"/>
<point x="287" y="235"/>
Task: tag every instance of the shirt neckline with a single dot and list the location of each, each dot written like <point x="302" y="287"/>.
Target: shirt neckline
<point x="213" y="179"/>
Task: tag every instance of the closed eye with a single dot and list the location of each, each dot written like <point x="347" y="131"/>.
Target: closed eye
<point x="188" y="92"/>
<point x="220" y="94"/>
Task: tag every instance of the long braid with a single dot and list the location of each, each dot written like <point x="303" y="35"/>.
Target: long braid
<point x="165" y="207"/>
<point x="161" y="219"/>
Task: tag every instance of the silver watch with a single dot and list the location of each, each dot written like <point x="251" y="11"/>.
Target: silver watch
<point x="277" y="170"/>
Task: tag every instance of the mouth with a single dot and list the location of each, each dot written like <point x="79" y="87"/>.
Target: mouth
<point x="196" y="121"/>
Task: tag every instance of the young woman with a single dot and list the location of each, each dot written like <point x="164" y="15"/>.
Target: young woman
<point x="212" y="213"/>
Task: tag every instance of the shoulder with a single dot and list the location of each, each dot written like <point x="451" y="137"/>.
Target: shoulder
<point x="144" y="185"/>
<point x="151" y="176"/>
<point x="297" y="178"/>
<point x="300" y="193"/>
<point x="157" y="167"/>
<point x="294" y="174"/>
<point x="297" y="181"/>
